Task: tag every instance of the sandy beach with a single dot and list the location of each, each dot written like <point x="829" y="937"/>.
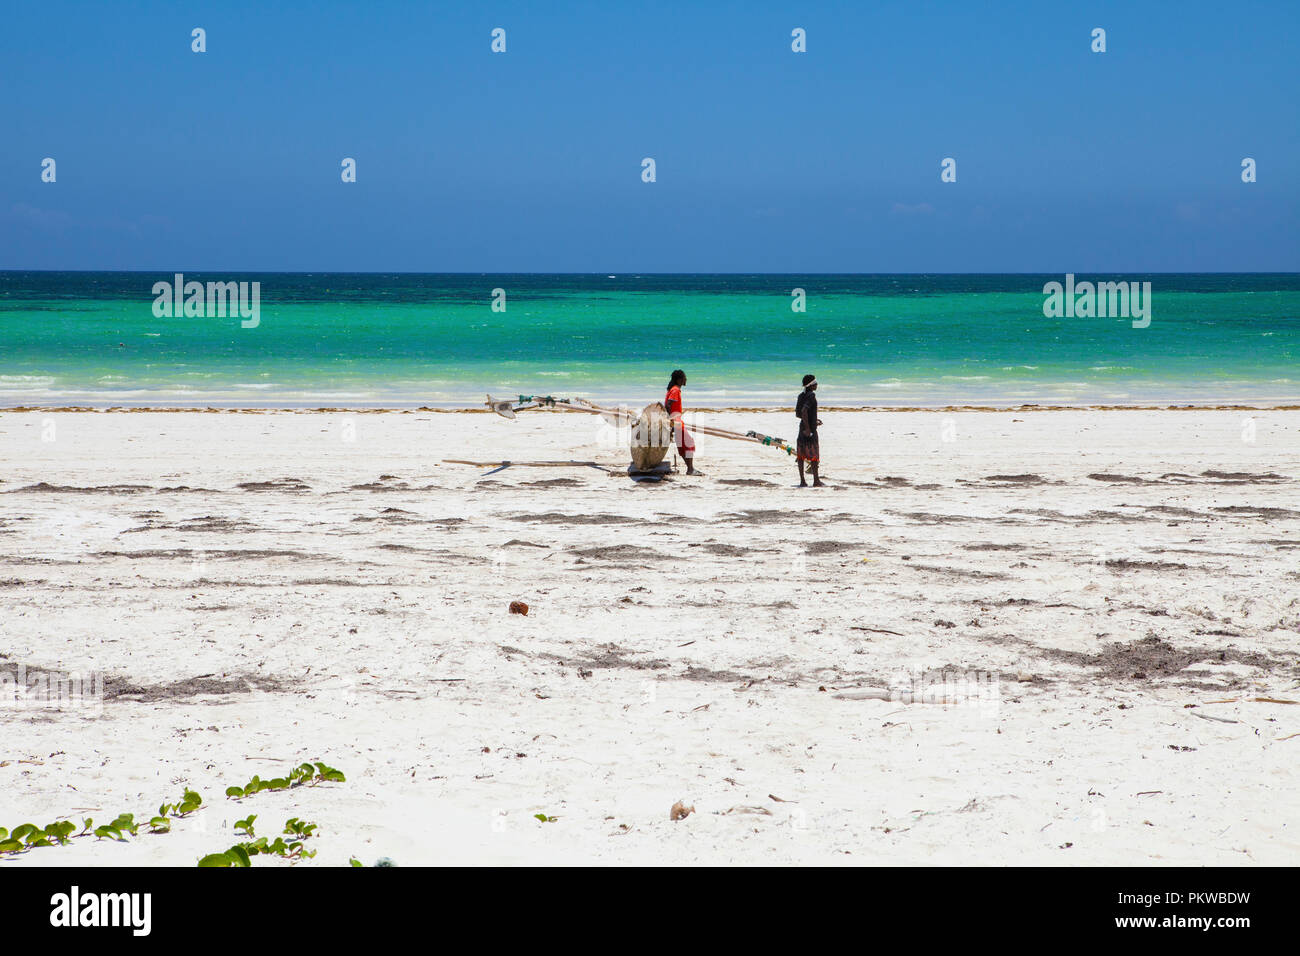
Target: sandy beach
<point x="1013" y="637"/>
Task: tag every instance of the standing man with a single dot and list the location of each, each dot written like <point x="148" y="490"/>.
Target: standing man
<point x="807" y="447"/>
<point x="673" y="402"/>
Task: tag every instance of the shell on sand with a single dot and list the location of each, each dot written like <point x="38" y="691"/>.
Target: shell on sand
<point x="652" y="436"/>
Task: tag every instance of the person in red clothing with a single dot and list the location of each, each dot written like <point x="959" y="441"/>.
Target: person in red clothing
<point x="673" y="402"/>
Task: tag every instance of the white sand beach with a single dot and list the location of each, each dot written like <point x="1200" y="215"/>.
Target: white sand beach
<point x="1075" y="615"/>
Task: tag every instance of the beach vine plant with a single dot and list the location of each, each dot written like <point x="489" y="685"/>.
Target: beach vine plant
<point x="305" y="774"/>
<point x="241" y="854"/>
<point x="29" y="836"/>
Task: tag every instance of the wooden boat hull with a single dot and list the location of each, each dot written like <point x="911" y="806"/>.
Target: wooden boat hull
<point x="652" y="437"/>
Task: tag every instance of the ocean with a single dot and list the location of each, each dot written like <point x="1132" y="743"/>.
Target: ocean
<point x="362" y="340"/>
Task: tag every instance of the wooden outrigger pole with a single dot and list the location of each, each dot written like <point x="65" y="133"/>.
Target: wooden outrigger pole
<point x="618" y="416"/>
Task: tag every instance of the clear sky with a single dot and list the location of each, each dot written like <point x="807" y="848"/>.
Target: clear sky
<point x="767" y="160"/>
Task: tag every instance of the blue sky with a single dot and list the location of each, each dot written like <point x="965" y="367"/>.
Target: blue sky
<point x="767" y="160"/>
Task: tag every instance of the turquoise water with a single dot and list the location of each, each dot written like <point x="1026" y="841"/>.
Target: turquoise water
<point x="92" y="338"/>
